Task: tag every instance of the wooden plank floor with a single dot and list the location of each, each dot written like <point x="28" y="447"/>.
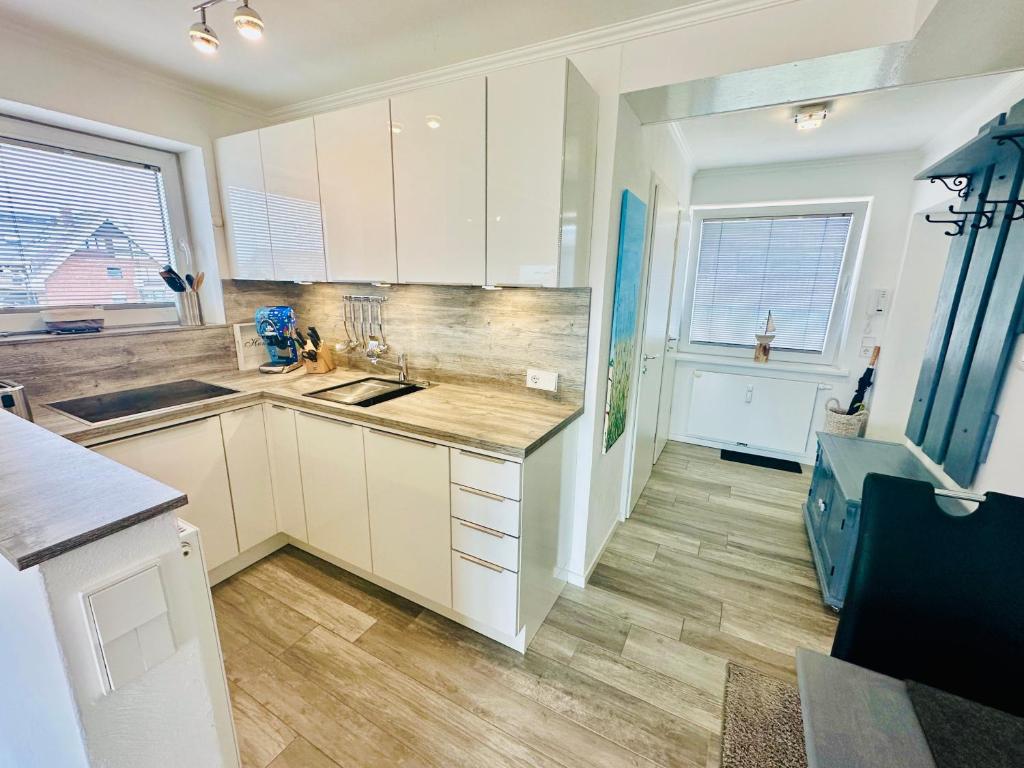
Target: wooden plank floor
<point x="328" y="670"/>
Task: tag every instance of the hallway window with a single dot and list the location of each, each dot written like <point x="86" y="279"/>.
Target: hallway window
<point x="792" y="264"/>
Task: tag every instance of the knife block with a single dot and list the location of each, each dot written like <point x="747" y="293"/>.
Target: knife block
<point x="324" y="361"/>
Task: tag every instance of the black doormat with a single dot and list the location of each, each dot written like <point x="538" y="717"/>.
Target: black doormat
<point x="761" y="461"/>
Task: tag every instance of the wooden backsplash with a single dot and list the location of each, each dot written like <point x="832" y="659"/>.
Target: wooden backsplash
<point x="54" y="367"/>
<point x="449" y="333"/>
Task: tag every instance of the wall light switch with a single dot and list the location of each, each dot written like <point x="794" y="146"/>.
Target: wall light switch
<point x="867" y="346"/>
<point x="880" y="303"/>
<point x="547" y="380"/>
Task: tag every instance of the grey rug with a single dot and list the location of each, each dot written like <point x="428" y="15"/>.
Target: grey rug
<point x="763" y="726"/>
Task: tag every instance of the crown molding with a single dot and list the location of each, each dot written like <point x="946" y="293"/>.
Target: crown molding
<point x="840" y="161"/>
<point x="131" y="69"/>
<point x="701" y="12"/>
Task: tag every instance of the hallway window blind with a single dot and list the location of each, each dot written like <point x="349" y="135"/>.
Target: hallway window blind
<point x="80" y="229"/>
<point x="788" y="265"/>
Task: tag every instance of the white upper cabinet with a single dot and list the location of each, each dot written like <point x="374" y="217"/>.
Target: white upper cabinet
<point x="541" y="155"/>
<point x="293" y="200"/>
<point x="353" y="149"/>
<point x="243" y="199"/>
<point x="270" y="196"/>
<point x="439" y="139"/>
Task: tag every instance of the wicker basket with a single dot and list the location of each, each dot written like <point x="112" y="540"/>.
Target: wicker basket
<point x="837" y="422"/>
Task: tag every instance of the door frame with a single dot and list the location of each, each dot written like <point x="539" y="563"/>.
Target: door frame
<point x="655" y="187"/>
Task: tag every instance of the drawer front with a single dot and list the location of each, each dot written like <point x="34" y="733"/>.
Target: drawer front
<point x="498" y="476"/>
<point x="493" y="546"/>
<point x="486" y="509"/>
<point x="485" y="593"/>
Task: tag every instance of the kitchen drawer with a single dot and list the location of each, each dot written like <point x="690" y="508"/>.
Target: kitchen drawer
<point x="486" y="473"/>
<point x="485" y="593"/>
<point x="486" y="509"/>
<point x="493" y="546"/>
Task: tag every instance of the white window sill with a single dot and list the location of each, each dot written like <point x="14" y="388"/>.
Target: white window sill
<point x="772" y="366"/>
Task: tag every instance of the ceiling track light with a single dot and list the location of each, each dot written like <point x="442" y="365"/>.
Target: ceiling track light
<point x="247" y="21"/>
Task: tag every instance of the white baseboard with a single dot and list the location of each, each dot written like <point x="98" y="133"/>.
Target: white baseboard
<point x="581" y="579"/>
<point x="251" y="556"/>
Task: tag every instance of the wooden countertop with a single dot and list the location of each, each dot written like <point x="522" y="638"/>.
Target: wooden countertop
<point x="56" y="496"/>
<point x="486" y="418"/>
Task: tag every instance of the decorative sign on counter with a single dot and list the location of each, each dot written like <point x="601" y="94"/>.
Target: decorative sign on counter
<point x="249" y="347"/>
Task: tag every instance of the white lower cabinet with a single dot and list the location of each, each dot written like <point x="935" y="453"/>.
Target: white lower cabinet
<point x="477" y="537"/>
<point x="333" y="472"/>
<point x="485" y="592"/>
<point x="252" y="494"/>
<point x="407" y="486"/>
<point x="284" y="471"/>
<point x="188" y="457"/>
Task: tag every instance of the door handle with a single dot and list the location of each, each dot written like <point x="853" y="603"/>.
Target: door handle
<point x="650" y="357"/>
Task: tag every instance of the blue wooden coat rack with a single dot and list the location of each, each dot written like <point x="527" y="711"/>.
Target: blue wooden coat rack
<point x="979" y="310"/>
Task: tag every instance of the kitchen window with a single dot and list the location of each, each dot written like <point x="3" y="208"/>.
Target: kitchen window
<point x="794" y="262"/>
<point x="86" y="222"/>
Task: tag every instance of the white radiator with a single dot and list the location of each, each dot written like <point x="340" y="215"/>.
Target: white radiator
<point x="752" y="411"/>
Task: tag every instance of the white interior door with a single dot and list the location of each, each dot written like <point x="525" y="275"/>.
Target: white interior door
<point x="665" y="228"/>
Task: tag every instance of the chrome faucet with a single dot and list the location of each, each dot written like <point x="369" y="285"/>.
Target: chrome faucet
<point x="402" y="366"/>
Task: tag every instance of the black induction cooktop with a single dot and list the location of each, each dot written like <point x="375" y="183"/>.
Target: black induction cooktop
<point x="129" y="402"/>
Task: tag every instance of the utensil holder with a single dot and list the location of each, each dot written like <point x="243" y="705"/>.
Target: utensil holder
<point x="191" y="310"/>
<point x="324" y="362"/>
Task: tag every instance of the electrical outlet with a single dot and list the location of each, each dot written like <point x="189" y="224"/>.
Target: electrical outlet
<point x="541" y="379"/>
<point x="867" y="346"/>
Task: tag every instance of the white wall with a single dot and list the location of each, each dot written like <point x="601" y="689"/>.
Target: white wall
<point x="38" y="720"/>
<point x="914" y="303"/>
<point x="51" y="81"/>
<point x="165" y="717"/>
<point x="887" y="181"/>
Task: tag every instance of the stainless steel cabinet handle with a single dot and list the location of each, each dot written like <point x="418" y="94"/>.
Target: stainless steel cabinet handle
<point x="484" y="494"/>
<point x="327" y="418"/>
<point x="488" y="531"/>
<point x="491" y="459"/>
<point x="495" y="568"/>
<point x="403" y="437"/>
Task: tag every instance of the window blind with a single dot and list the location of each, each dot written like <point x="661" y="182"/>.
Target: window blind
<point x="77" y="229"/>
<point x="789" y="265"/>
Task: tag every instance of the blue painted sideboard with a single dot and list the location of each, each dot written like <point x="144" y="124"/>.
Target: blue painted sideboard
<point x="832" y="511"/>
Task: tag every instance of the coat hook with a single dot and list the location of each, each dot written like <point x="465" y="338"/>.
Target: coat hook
<point x="957" y="223"/>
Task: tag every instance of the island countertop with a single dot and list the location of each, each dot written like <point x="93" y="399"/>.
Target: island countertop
<point x="475" y="416"/>
<point x="56" y="496"/>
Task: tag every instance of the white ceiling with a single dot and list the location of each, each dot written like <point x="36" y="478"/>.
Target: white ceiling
<point x="897" y="120"/>
<point x="315" y="48"/>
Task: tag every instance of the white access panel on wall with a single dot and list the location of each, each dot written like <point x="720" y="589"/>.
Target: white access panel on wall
<point x="753" y="411"/>
<point x="440" y="182"/>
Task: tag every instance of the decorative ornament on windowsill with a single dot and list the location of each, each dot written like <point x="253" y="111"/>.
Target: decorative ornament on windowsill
<point x="763" y="348"/>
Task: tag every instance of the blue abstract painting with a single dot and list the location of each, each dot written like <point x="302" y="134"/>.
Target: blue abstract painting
<point x="628" y="272"/>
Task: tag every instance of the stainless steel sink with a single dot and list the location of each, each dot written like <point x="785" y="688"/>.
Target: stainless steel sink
<point x="129" y="402"/>
<point x="366" y="392"/>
